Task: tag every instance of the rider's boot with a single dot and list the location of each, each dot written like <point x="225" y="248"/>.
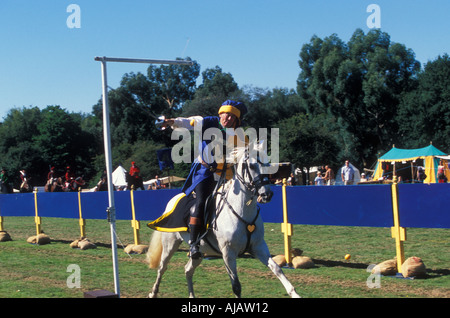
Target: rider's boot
<point x="194" y="242"/>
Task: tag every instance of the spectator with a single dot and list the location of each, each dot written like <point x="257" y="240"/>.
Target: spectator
<point x="318" y="181"/>
<point x="102" y="185"/>
<point x="441" y="174"/>
<point x="348" y="174"/>
<point x="291" y="180"/>
<point x="157" y="183"/>
<point x="421" y="176"/>
<point x="329" y="177"/>
<point x="363" y="177"/>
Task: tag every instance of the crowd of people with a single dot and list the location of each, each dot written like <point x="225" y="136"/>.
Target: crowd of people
<point x="134" y="181"/>
<point x="326" y="176"/>
<point x="69" y="182"/>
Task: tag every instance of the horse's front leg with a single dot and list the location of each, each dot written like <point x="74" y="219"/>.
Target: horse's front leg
<point x="189" y="270"/>
<point x="229" y="258"/>
<point x="262" y="253"/>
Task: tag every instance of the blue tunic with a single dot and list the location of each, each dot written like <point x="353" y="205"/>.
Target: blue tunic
<point x="199" y="172"/>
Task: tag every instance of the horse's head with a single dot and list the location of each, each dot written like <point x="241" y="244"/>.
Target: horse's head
<point x="249" y="171"/>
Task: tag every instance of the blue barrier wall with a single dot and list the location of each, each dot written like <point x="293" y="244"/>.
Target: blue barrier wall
<point x="149" y="205"/>
<point x="420" y="205"/>
<point x="337" y="205"/>
<point x="424" y="205"/>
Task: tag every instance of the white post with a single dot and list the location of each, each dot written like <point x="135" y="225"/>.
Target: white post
<point x="108" y="160"/>
<point x="108" y="157"/>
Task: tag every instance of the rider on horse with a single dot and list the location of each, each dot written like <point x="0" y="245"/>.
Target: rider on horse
<point x="4" y="182"/>
<point x="51" y="175"/>
<point x="201" y="177"/>
<point x="24" y="182"/>
<point x="135" y="178"/>
<point x="75" y="184"/>
<point x="68" y="177"/>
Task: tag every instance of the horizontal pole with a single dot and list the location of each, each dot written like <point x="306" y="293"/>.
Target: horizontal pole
<point x="145" y="61"/>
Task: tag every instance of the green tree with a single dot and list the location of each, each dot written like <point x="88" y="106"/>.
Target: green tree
<point x="174" y="84"/>
<point x="267" y="107"/>
<point x="130" y="121"/>
<point x="62" y="142"/>
<point x="217" y="87"/>
<point x="424" y="114"/>
<point x="56" y="136"/>
<point x="33" y="140"/>
<point x="361" y="84"/>
<point x="307" y="142"/>
<point x="16" y="145"/>
<point x="19" y="125"/>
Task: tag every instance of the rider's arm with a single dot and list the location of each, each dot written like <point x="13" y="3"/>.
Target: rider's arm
<point x="182" y="122"/>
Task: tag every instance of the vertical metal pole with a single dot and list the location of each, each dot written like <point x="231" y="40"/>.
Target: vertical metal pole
<point x="108" y="159"/>
<point x="107" y="142"/>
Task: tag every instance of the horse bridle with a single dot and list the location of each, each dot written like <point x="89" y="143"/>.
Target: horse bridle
<point x="255" y="182"/>
<point x="254" y="185"/>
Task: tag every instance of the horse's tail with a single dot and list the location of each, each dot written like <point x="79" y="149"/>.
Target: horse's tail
<point x="154" y="250"/>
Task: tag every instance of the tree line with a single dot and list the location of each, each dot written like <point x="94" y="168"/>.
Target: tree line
<point x="352" y="101"/>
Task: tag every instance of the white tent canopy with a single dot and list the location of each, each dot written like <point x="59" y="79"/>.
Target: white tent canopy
<point x="119" y="177"/>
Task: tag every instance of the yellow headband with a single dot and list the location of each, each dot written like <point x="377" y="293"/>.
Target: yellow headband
<point x="230" y="109"/>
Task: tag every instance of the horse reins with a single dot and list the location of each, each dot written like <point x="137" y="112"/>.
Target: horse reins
<point x="252" y="186"/>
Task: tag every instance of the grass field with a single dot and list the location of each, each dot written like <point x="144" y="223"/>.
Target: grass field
<point x="30" y="271"/>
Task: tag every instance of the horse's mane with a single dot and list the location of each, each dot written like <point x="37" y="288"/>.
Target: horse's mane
<point x="237" y="153"/>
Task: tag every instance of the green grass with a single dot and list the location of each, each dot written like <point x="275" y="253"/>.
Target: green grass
<point x="29" y="271"/>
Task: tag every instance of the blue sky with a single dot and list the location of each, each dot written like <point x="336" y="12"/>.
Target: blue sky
<point x="44" y="62"/>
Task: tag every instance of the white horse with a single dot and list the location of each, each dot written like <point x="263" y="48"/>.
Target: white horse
<point x="236" y="228"/>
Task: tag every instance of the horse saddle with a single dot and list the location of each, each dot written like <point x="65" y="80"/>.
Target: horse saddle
<point x="177" y="214"/>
